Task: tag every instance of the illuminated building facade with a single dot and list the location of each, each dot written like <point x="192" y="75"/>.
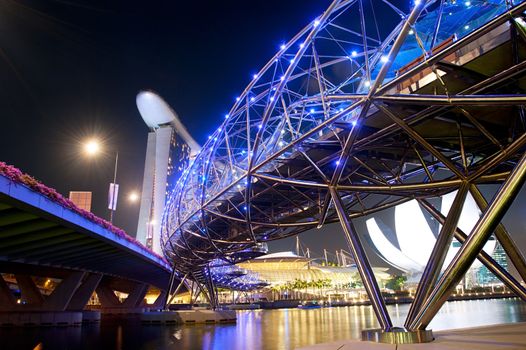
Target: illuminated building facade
<point x="82" y="199"/>
<point x="484" y="276"/>
<point x="286" y="267"/>
<point x="168" y="152"/>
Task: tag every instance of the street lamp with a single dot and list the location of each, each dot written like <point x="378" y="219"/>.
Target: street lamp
<point x="92" y="148"/>
<point x="133" y="197"/>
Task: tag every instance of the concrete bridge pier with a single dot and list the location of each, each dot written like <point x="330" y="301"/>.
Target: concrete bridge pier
<point x="34" y="308"/>
<point x="110" y="303"/>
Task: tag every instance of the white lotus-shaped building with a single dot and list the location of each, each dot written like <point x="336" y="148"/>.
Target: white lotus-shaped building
<point x="416" y="238"/>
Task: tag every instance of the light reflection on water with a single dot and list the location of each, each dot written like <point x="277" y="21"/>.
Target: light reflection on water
<point x="258" y="329"/>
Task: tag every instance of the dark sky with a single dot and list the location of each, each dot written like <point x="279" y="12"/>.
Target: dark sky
<point x="71" y="69"/>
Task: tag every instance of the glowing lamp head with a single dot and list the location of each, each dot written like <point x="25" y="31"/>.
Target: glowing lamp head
<point x="133" y="197"/>
<point x="92" y="147"/>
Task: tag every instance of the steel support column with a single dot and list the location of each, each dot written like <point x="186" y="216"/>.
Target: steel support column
<point x="473" y="245"/>
<point x="483" y="257"/>
<point x="438" y="255"/>
<point x="170" y="285"/>
<point x="503" y="237"/>
<point x="168" y="302"/>
<point x="362" y="263"/>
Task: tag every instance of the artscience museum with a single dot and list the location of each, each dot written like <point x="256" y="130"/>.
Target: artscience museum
<point x="408" y="248"/>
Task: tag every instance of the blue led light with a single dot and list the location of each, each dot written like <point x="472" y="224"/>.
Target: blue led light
<point x="282" y="46"/>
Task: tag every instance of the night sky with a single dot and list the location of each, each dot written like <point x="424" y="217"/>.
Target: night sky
<point x="70" y="70"/>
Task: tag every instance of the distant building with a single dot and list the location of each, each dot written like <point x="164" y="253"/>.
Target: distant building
<point x="484" y="276"/>
<point x="82" y="199"/>
<point x="409" y="245"/>
<point x="169" y="150"/>
<point x="286" y="267"/>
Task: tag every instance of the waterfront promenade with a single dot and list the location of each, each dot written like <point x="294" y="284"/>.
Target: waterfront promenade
<point x="505" y="336"/>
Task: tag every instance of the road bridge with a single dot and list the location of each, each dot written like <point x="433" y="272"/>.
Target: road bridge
<point x="42" y="236"/>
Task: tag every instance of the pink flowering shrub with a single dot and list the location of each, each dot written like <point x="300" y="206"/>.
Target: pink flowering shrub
<point x="18" y="177"/>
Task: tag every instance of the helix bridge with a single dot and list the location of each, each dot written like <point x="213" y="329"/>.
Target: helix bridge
<point x="372" y="104"/>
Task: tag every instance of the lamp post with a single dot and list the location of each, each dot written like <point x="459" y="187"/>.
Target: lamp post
<point x="93" y="147"/>
<point x="114" y="189"/>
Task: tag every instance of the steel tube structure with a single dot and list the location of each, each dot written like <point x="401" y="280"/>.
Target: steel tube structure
<point x="483" y="257"/>
<point x="438" y="254"/>
<point x="473" y="245"/>
<point x="512" y="251"/>
<point x="362" y="263"/>
<point x="169" y="300"/>
<point x="365" y="115"/>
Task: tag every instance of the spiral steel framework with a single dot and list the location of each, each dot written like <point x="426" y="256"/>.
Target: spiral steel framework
<point x="353" y="116"/>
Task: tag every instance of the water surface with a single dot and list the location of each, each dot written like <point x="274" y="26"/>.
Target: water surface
<point x="258" y="329"/>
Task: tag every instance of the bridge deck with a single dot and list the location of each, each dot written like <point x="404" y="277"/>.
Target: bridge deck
<point x="35" y="230"/>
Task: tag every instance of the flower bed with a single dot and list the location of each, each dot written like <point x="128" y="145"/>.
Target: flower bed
<point x="19" y="177"/>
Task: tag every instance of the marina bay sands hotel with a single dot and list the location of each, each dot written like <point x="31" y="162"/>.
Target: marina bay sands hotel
<point x="169" y="150"/>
